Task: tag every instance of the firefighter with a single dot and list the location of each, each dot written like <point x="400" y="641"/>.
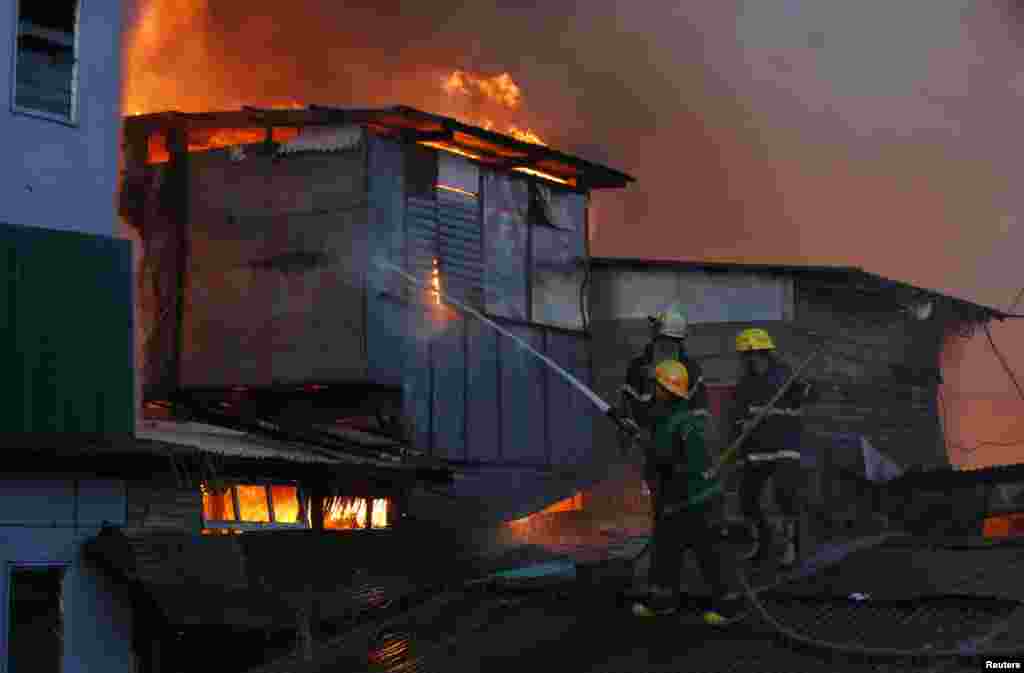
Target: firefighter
<point x="772" y="451"/>
<point x="668" y="331"/>
<point x="682" y="499"/>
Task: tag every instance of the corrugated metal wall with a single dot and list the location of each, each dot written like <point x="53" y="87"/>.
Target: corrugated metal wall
<point x="473" y="394"/>
<point x="66" y="331"/>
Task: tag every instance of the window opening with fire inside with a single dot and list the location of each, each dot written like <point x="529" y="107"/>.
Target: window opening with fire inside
<point x="236" y="508"/>
<point x="46" y="58"/>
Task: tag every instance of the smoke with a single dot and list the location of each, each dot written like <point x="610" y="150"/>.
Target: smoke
<point x="876" y="134"/>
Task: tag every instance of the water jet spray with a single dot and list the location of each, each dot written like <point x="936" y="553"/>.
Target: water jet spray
<point x="605" y="408"/>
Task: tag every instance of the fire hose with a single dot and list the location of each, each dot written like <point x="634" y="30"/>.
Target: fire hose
<point x="630" y="427"/>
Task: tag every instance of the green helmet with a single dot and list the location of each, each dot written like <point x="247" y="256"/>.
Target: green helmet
<point x="671" y="321"/>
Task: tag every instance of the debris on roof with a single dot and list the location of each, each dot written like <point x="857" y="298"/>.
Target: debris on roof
<point x="324" y="139"/>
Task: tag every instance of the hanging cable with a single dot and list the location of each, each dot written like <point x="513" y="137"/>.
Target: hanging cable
<point x="1002" y="361"/>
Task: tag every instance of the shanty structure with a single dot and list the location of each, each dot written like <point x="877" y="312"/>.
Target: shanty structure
<point x="266" y="235"/>
<point x="877" y="411"/>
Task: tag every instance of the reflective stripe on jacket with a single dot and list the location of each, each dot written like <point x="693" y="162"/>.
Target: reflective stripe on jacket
<point x="781" y="429"/>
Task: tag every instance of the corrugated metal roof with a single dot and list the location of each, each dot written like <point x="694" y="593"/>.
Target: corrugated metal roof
<point x="225" y="442"/>
<point x="487" y="147"/>
<point x="847" y="274"/>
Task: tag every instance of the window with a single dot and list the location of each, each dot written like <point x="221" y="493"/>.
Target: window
<point x="353" y="513"/>
<point x="46" y="58"/>
<point x="252" y="506"/>
<point x="35" y="618"/>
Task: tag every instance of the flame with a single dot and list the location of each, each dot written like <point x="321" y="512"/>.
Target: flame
<point x="435" y="282"/>
<point x="380" y="513"/>
<point x="201" y="140"/>
<point x="573" y="503"/>
<point x="500" y="90"/>
<point x="351" y="514"/>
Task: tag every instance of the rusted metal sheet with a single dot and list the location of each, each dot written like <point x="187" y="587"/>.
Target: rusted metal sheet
<point x="555" y="275"/>
<point x="483" y="420"/>
<point x="448" y="390"/>
<point x="506" y="203"/>
<point x="522" y="410"/>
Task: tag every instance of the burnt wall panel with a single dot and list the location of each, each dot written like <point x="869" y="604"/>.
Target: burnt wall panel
<point x="448" y="362"/>
<point x="277" y="254"/>
<point x="506" y="207"/>
<point x="483" y="420"/>
<point x="522" y="407"/>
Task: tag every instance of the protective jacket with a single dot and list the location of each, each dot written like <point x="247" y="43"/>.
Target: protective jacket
<point x="779" y="434"/>
<point x="639" y="387"/>
<point x="679" y="454"/>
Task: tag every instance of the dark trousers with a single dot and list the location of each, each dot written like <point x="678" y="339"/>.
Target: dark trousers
<point x="786" y="475"/>
<point x="674" y="533"/>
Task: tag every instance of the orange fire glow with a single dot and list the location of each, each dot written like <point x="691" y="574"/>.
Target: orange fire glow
<point x="435" y="282"/>
<point x="201" y="140"/>
<point x="499" y="90"/>
<point x="573" y="503"/>
<point x="351" y="514"/>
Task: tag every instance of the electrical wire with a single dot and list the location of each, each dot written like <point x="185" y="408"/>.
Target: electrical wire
<point x="1002" y="361"/>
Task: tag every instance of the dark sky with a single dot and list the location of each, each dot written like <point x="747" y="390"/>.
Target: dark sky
<point x="873" y="133"/>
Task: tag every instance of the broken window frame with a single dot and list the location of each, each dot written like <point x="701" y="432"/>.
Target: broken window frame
<point x="369" y="504"/>
<point x="12" y="568"/>
<point x="58" y="41"/>
<point x="214" y="525"/>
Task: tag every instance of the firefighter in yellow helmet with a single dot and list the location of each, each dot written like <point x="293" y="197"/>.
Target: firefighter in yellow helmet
<point x="682" y="498"/>
<point x="772" y="451"/>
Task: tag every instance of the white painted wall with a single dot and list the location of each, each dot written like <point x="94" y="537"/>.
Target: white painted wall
<point x="57" y="175"/>
<point x="43" y="520"/>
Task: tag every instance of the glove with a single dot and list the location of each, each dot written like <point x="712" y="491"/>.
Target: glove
<point x="625" y="423"/>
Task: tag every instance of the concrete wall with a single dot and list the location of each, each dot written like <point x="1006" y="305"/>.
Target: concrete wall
<point x="60" y="175"/>
<point x="46" y="519"/>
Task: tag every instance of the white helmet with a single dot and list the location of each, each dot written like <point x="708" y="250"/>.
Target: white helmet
<point x="671" y="321"/>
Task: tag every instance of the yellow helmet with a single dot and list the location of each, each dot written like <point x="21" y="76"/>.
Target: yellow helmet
<point x="672" y="375"/>
<point x="754" y="339"/>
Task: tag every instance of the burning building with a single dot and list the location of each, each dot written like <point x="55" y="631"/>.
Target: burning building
<point x="262" y="231"/>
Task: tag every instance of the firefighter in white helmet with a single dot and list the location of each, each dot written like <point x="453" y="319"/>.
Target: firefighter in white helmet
<point x="668" y="331"/>
<point x="772" y="451"/>
<point x="682" y="497"/>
